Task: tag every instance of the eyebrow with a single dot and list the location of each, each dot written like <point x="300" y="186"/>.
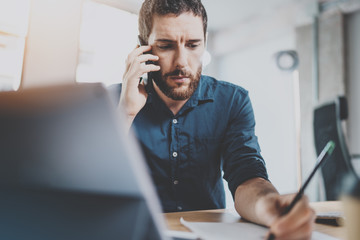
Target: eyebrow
<point x="170" y="41"/>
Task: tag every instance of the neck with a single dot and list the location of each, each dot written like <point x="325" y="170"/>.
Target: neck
<point x="173" y="105"/>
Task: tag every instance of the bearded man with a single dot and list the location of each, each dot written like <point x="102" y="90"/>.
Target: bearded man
<point x="192" y="127"/>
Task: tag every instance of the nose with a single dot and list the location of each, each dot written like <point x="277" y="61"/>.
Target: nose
<point x="181" y="58"/>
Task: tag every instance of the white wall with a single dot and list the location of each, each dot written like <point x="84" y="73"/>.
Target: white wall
<point x="271" y="92"/>
<point x="353" y="79"/>
<point x="52" y="45"/>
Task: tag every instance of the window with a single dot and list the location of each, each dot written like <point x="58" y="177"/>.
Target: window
<point x="107" y="36"/>
<point x="14" y="18"/>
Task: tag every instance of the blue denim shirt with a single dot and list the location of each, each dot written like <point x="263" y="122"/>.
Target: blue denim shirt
<point x="186" y="153"/>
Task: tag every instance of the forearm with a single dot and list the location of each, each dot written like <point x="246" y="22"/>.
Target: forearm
<point x="129" y="120"/>
<point x="123" y="113"/>
<point x="251" y="198"/>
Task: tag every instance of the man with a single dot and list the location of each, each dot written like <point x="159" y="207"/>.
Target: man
<point x="191" y="127"/>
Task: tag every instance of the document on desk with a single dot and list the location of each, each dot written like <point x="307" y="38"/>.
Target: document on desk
<point x="236" y="231"/>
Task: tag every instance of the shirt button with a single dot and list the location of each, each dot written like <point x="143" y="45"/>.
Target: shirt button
<point x="179" y="208"/>
<point x="175" y="154"/>
<point x="176" y="182"/>
<point x="175" y="121"/>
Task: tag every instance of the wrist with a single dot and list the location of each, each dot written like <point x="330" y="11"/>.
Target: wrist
<point x="255" y="199"/>
<point x="266" y="208"/>
<point x="127" y="108"/>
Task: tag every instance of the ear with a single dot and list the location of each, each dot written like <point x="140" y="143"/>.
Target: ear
<point x="206" y="39"/>
<point x="141" y="41"/>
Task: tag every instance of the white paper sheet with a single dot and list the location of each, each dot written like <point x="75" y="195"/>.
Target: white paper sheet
<point x="181" y="235"/>
<point x="236" y="231"/>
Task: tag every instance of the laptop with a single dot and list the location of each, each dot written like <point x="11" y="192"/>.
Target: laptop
<point x="69" y="170"/>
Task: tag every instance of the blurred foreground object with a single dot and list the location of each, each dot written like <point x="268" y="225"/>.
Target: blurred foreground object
<point x="68" y="171"/>
<point x="351" y="199"/>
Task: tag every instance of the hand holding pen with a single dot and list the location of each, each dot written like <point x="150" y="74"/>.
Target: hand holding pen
<point x="326" y="152"/>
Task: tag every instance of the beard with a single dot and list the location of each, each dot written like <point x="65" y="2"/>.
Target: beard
<point x="174" y="92"/>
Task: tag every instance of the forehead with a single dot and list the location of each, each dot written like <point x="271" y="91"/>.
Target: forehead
<point x="171" y="26"/>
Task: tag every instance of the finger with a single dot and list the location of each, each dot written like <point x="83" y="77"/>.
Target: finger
<point x="302" y="233"/>
<point x="139" y="51"/>
<point x="132" y="76"/>
<point x="285" y="200"/>
<point x="295" y="218"/>
<point x="144" y="68"/>
<point x="127" y="62"/>
<point x="147" y="57"/>
<point x="298" y="216"/>
<point x="138" y="67"/>
<point x="150" y="68"/>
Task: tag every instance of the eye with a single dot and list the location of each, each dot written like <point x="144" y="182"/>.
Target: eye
<point x="165" y="47"/>
<point x="193" y="45"/>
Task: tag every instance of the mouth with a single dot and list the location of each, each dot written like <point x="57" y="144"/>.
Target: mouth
<point x="179" y="79"/>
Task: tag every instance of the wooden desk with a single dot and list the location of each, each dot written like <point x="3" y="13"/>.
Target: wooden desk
<point x="225" y="215"/>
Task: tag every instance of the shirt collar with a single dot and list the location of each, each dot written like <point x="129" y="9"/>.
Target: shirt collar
<point x="204" y="91"/>
<point x="150" y="91"/>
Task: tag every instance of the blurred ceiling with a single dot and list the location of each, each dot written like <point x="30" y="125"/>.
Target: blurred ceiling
<point x="224" y="13"/>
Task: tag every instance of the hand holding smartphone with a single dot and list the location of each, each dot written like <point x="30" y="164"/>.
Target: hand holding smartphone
<point x="149" y="76"/>
<point x="134" y="95"/>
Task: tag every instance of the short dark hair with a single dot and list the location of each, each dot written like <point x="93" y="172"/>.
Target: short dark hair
<point x="150" y="8"/>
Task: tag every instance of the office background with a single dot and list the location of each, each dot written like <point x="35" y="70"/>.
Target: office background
<point x="48" y="42"/>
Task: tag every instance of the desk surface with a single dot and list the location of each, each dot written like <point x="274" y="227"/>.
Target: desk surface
<point x="225" y="215"/>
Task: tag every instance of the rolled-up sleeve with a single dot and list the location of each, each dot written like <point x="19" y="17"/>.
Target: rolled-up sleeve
<point x="240" y="149"/>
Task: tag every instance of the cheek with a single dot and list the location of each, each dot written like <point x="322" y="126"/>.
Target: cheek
<point x="195" y="62"/>
<point x="164" y="62"/>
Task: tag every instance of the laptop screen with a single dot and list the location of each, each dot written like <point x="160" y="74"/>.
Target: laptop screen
<point x="70" y="171"/>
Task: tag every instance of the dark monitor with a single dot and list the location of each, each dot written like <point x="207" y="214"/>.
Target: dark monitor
<point x="328" y="119"/>
<point x="69" y="171"/>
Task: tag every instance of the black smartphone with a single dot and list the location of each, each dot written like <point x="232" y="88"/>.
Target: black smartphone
<point x="149" y="74"/>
